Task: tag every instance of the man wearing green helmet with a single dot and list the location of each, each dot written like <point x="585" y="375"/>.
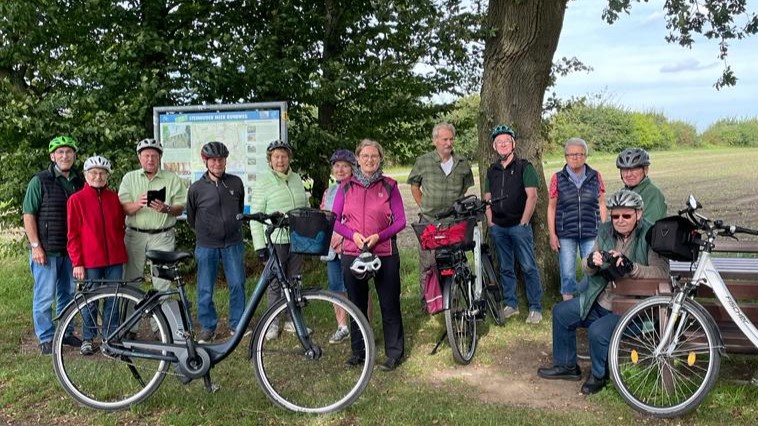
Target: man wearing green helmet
<point x="44" y="211"/>
<point x="513" y="183"/>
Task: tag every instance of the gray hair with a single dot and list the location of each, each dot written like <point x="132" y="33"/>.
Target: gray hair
<point x="575" y="142"/>
<point x="369" y="142"/>
<point x="442" y="126"/>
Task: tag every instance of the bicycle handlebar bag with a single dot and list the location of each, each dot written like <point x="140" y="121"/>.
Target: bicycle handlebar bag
<point x="674" y="238"/>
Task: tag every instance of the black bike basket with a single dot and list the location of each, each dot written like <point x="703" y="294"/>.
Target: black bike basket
<point x="674" y="238"/>
<point x="310" y="231"/>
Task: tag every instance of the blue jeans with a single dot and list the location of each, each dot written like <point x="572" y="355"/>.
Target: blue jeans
<point x="90" y="312"/>
<point x="208" y="259"/>
<point x="599" y="323"/>
<point x="334" y="276"/>
<point x="567" y="260"/>
<point x="517" y="241"/>
<point x="54" y="280"/>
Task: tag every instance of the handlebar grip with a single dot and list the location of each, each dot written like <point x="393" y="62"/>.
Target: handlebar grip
<point x="740" y="230"/>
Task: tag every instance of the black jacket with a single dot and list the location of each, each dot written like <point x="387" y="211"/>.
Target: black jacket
<point x="212" y="209"/>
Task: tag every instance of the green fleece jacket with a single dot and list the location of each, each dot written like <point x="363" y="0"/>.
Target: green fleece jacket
<point x="275" y="192"/>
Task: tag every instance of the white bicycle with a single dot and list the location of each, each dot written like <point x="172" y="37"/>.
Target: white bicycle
<point x="665" y="352"/>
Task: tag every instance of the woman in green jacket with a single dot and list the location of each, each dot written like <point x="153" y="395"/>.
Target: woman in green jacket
<point x="279" y="189"/>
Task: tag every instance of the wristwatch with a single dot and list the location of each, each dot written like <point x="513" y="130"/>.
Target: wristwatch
<point x="34" y="244"/>
<point x="166" y="208"/>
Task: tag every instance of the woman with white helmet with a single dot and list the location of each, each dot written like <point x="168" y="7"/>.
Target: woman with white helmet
<point x="96" y="242"/>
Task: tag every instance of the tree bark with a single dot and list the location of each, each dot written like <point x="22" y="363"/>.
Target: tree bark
<point x="518" y="56"/>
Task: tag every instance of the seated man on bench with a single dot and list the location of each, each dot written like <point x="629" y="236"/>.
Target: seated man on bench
<point x="620" y="251"/>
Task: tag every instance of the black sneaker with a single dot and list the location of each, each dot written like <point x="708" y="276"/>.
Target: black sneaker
<point x="72" y="340"/>
<point x="355" y="361"/>
<point x="390" y="364"/>
<point x="87" y="348"/>
<point x="206" y="336"/>
<point x="46" y="348"/>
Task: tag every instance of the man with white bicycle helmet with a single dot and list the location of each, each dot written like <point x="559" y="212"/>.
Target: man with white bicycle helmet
<point x="152" y="198"/>
<point x="44" y="211"/>
<point x="96" y="243"/>
<point x="633" y="165"/>
<point x="620" y="251"/>
<point x="213" y="203"/>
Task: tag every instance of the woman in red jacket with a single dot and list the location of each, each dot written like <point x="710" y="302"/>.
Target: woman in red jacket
<point x="96" y="242"/>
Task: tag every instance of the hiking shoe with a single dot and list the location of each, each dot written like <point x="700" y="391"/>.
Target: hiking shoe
<point x="206" y="336"/>
<point x="341" y="334"/>
<point x="72" y="340"/>
<point x="509" y="312"/>
<point x="289" y="327"/>
<point x="87" y="348"/>
<point x="46" y="348"/>
<point x="272" y="332"/>
<point x="534" y="317"/>
<point x="355" y="361"/>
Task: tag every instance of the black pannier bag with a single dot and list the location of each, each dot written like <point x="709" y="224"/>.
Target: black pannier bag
<point x="310" y="231"/>
<point x="674" y="238"/>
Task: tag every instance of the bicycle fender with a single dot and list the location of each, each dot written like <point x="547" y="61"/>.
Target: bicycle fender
<point x="712" y="323"/>
<point x="446" y="281"/>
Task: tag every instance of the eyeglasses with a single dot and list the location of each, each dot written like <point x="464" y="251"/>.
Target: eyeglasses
<point x="98" y="173"/>
<point x="626" y="216"/>
<point x="578" y="155"/>
<point x="369" y="157"/>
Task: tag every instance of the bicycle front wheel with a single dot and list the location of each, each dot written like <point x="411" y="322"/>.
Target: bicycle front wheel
<point x="493" y="292"/>
<point x="460" y="321"/>
<point x="100" y="380"/>
<point x="330" y="379"/>
<point x="674" y="381"/>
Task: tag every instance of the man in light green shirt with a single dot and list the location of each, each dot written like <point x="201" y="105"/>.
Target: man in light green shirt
<point x="150" y="226"/>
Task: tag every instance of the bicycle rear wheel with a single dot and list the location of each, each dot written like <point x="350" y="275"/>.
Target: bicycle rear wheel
<point x="460" y="321"/>
<point x="319" y="384"/>
<point x="675" y="381"/>
<point x="104" y="381"/>
<point x="493" y="293"/>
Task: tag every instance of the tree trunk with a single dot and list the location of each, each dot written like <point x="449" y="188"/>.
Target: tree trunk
<point x="517" y="61"/>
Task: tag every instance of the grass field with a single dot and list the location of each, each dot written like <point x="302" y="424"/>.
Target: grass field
<point x="499" y="387"/>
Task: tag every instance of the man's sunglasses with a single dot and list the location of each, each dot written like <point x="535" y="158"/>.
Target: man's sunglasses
<point x="626" y="216"/>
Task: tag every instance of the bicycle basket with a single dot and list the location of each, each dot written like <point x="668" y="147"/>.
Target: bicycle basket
<point x="310" y="231"/>
<point x="674" y="238"/>
<point x="458" y="235"/>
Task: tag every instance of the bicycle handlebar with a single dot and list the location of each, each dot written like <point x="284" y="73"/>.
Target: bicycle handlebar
<point x="712" y="226"/>
<point x="465" y="207"/>
<point x="274" y="218"/>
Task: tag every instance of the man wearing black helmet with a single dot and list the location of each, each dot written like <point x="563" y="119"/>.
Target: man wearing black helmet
<point x="213" y="203"/>
<point x="44" y="211"/>
<point x="620" y="251"/>
<point x="633" y="165"/>
<point x="150" y="223"/>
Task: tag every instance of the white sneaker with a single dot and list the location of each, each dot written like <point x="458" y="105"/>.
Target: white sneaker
<point x="289" y="327"/>
<point x="534" y="317"/>
<point x="509" y="312"/>
<point x="341" y="334"/>
<point x="272" y="332"/>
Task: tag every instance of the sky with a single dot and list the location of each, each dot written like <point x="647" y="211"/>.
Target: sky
<point x="634" y="67"/>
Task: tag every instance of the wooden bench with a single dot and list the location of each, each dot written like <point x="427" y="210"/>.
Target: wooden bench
<point x="740" y="275"/>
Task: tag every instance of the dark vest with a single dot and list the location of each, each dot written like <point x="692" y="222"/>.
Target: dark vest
<point x="51" y="218"/>
<point x="507" y="184"/>
<point x="578" y="212"/>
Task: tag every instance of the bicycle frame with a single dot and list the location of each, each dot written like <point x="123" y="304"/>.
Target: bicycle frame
<point x="216" y="352"/>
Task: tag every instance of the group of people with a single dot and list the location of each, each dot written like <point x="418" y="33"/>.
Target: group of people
<point x="106" y="234"/>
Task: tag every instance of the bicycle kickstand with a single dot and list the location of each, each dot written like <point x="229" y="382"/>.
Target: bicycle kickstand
<point x="439" y="342"/>
<point x="209" y="386"/>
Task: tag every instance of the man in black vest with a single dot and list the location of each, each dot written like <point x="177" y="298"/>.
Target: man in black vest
<point x="513" y="182"/>
<point x="44" y="211"/>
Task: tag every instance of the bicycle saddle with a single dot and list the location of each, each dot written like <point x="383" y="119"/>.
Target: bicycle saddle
<point x="159" y="257"/>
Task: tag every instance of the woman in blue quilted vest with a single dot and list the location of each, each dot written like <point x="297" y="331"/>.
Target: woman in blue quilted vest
<point x="576" y="208"/>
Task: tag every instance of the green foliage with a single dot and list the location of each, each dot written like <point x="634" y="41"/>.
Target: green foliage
<point x="609" y="128"/>
<point x="732" y="132"/>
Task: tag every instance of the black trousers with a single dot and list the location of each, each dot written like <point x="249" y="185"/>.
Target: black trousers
<point x="387" y="282"/>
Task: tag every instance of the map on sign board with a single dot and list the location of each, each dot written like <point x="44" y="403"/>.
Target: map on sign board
<point x="245" y="129"/>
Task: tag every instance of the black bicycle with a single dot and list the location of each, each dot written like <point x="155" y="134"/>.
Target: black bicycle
<point x="298" y="370"/>
<point x="467" y="295"/>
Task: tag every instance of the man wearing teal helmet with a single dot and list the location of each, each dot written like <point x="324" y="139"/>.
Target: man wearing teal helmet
<point x="44" y="211"/>
<point x="513" y="182"/>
